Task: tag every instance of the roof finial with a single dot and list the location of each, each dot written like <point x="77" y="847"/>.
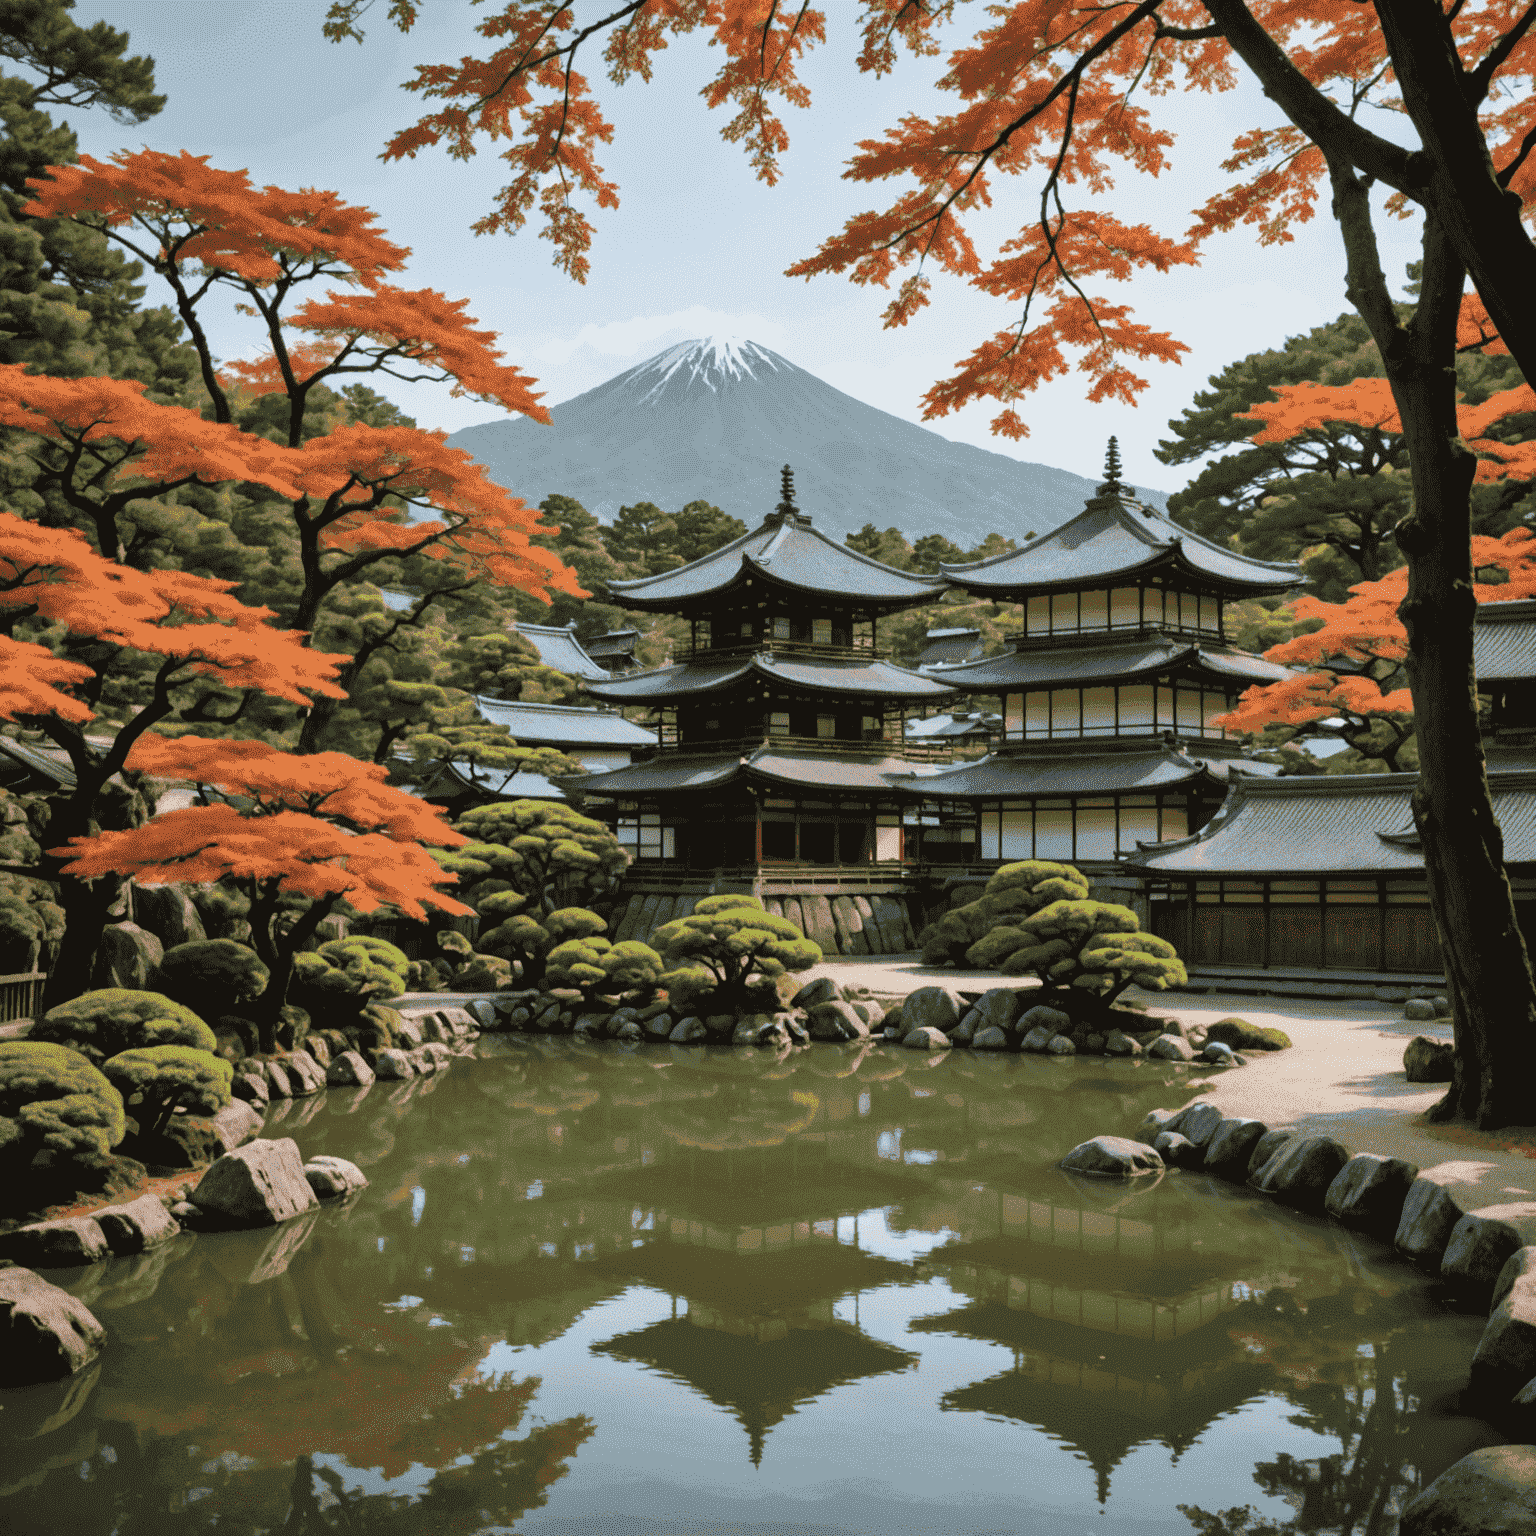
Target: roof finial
<point x="786" y="506"/>
<point x="1112" y="466"/>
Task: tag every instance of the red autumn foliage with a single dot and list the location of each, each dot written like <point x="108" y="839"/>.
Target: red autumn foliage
<point x="32" y="679"/>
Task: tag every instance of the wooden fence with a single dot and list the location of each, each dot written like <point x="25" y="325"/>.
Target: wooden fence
<point x="21" y="995"/>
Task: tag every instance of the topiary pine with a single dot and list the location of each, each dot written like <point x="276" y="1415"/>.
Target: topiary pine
<point x="104" y="1023"/>
<point x="599" y="968"/>
<point x="344" y="974"/>
<point x="161" y="1077"/>
<point x="54" y="1102"/>
<point x="548" y="852"/>
<point x="1014" y="891"/>
<point x="210" y="976"/>
<point x="730" y="943"/>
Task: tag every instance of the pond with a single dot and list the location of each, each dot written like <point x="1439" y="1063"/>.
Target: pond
<point x="666" y="1290"/>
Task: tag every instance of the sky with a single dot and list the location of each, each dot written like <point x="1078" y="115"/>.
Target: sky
<point x="698" y="247"/>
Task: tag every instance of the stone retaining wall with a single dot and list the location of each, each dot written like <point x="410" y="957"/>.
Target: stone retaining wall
<point x="840" y="924"/>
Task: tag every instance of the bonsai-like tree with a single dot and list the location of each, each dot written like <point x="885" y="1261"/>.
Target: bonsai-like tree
<point x="600" y="968"/>
<point x="54" y="1101"/>
<point x="547" y="852"/>
<point x="521" y="941"/>
<point x="156" y="1079"/>
<point x="103" y="1024"/>
<point x="349" y="973"/>
<point x="1013" y="892"/>
<point x="723" y="944"/>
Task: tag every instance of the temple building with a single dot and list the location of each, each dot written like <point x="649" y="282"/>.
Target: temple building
<point x="780" y="719"/>
<point x="1108" y="692"/>
<point x="1327" y="873"/>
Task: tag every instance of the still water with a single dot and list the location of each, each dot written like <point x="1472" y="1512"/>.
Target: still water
<point x="659" y="1291"/>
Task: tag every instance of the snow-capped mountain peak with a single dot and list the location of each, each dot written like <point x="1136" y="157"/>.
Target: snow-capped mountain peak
<point x="713" y="362"/>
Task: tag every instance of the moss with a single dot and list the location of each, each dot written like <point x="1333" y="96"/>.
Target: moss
<point x="104" y="1023"/>
<point x="156" y="1079"/>
<point x="56" y="1104"/>
<point x="1243" y="1036"/>
<point x="210" y="976"/>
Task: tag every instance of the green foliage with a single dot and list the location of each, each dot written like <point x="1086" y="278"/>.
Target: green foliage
<point x="105" y="1023"/>
<point x="55" y="1102"/>
<point x="546" y="851"/>
<point x="31" y="922"/>
<point x="452" y="730"/>
<point x="598" y="967"/>
<point x="708" y="905"/>
<point x="645" y="541"/>
<point x="732" y="944"/>
<point x="211" y="976"/>
<point x="161" y="1077"/>
<point x="573" y="923"/>
<point x="450" y="942"/>
<point x="691" y="989"/>
<point x="484" y="973"/>
<point x="500" y="905"/>
<point x="521" y="942"/>
<point x="345" y="974"/>
<point x="1014" y="891"/>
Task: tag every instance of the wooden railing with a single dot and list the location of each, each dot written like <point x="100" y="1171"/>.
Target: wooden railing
<point x="21" y="995"/>
<point x="735" y="648"/>
<point x="910" y="751"/>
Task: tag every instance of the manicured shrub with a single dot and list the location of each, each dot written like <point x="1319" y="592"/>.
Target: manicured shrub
<point x="31" y="922"/>
<point x="211" y="976"/>
<point x="599" y="968"/>
<point x="156" y="1079"/>
<point x="55" y="1103"/>
<point x="105" y="1023"/>
<point x="731" y="944"/>
<point x="1013" y="892"/>
<point x="526" y="944"/>
<point x="343" y="975"/>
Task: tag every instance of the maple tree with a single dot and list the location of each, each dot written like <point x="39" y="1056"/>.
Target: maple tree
<point x="360" y="496"/>
<point x="298" y="836"/>
<point x="1063" y="91"/>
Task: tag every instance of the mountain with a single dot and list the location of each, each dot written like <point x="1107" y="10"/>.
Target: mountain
<point x="715" y="419"/>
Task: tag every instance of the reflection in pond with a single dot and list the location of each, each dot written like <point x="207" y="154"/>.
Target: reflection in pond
<point x="587" y="1278"/>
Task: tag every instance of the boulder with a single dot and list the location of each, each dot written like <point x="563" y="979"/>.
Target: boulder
<point x="48" y="1334"/>
<point x="236" y="1124"/>
<point x="821" y="989"/>
<point x="392" y="1066"/>
<point x="1118" y="1043"/>
<point x="1171" y="1048"/>
<point x="1199" y="1122"/>
<point x="1060" y="1045"/>
<point x="989" y="1039"/>
<point x="252" y="1087"/>
<point x="925" y="1039"/>
<point x="168" y="913"/>
<point x="1480" y="1245"/>
<point x="331" y="1177"/>
<point x="1000" y="1006"/>
<point x="1042" y="1017"/>
<point x="1093" y="1044"/>
<point x="305" y="1074"/>
<point x="55" y="1244"/>
<point x="1230" y="1146"/>
<point x="137" y="1225"/>
<point x="348" y="1070"/>
<point x="484" y="1013"/>
<point x="1301" y="1171"/>
<point x="1266" y="1147"/>
<point x="630" y="1032"/>
<point x="1505" y="1359"/>
<point x="1492" y="1492"/>
<point x="458" y="1022"/>
<point x="836" y="1021"/>
<point x="1156" y="1122"/>
<point x="1116" y="1157"/>
<point x="409" y="1032"/>
<point x="1430" y="1214"/>
<point x="1429" y="1061"/>
<point x="1218" y="1055"/>
<point x="1368" y="1193"/>
<point x="256" y="1185"/>
<point x="278" y="1084"/>
<point x="1038" y="1038"/>
<point x="125" y="956"/>
<point x="965" y="1031"/>
<point x="686" y="1031"/>
<point x="1243" y="1036"/>
<point x="933" y="1008"/>
<point x="1519" y="1266"/>
<point x="1179" y="1151"/>
<point x="794" y="1030"/>
<point x="1418" y="1009"/>
<point x="320" y="1048"/>
<point x="657" y="1026"/>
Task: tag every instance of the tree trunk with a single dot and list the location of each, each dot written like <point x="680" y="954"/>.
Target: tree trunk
<point x="266" y="1009"/>
<point x="86" y="905"/>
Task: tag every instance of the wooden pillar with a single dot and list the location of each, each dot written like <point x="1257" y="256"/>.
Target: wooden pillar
<point x="757" y="823"/>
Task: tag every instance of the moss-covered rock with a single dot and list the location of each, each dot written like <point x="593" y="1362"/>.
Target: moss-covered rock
<point x="210" y="976"/>
<point x="1243" y="1036"/>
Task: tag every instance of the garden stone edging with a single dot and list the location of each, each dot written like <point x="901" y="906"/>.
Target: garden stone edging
<point x="48" y="1334"/>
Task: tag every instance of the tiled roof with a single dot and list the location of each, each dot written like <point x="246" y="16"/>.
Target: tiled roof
<point x="1010" y="775"/>
<point x="831" y="675"/>
<point x="940" y="727"/>
<point x="561" y="725"/>
<point x="686" y="773"/>
<point x="785" y="552"/>
<point x="1341" y="824"/>
<point x="559" y="648"/>
<point x="950" y="646"/>
<point x="616" y="642"/>
<point x="1504" y="641"/>
<point x="494" y="781"/>
<point x="1111" y="541"/>
<point x="1101" y="660"/>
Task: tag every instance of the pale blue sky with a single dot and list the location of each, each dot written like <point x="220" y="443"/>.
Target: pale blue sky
<point x="697" y="245"/>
